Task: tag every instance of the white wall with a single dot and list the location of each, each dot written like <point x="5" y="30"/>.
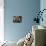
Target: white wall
<point x="43" y="6"/>
<point x="1" y="20"/>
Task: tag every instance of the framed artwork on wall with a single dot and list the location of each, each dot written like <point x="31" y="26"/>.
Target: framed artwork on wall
<point x="17" y="19"/>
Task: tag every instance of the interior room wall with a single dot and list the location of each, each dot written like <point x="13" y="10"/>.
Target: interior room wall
<point x="1" y="20"/>
<point x="43" y="6"/>
<point x="25" y="8"/>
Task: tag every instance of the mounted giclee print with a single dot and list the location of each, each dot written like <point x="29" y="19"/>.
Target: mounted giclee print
<point x="17" y="19"/>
